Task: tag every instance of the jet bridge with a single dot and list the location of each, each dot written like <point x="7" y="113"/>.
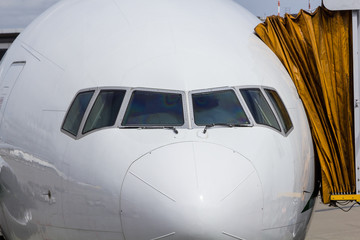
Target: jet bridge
<point x="320" y="52"/>
<point x="7" y="36"/>
<point x="354" y="6"/>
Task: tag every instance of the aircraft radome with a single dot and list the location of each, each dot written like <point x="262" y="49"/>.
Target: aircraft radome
<point x="161" y="119"/>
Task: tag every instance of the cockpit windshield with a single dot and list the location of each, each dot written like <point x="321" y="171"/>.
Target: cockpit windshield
<point x="148" y="108"/>
<point x="145" y="108"/>
<point x="218" y="107"/>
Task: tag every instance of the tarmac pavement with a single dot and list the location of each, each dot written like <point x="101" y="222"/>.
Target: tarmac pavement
<point x="333" y="224"/>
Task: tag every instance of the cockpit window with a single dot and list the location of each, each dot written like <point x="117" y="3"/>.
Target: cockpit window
<point x="148" y="108"/>
<point x="76" y="112"/>
<point x="259" y="107"/>
<point x="105" y="110"/>
<point x="280" y="109"/>
<point x="218" y="107"/>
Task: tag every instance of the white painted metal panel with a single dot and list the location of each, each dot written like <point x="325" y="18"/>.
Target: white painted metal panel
<point x="342" y="5"/>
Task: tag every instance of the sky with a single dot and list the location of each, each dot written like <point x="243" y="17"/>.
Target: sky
<point x="17" y="14"/>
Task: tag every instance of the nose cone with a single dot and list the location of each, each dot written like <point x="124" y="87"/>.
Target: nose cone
<point x="192" y="191"/>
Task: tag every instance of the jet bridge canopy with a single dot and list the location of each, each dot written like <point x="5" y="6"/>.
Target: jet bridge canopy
<point x="316" y="50"/>
<point x="342" y="4"/>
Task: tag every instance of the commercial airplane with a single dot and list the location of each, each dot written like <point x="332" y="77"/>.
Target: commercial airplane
<point x="144" y="120"/>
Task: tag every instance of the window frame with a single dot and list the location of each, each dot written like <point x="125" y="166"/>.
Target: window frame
<point x="262" y="89"/>
<point x="187" y="104"/>
<point x="286" y="108"/>
<point x="208" y="90"/>
<point x="85" y="113"/>
<point x="96" y="95"/>
<point x="96" y="90"/>
<point x="268" y="103"/>
<point x="127" y="100"/>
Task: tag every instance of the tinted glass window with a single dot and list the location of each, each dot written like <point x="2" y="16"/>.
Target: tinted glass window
<point x="280" y="109"/>
<point x="260" y="108"/>
<point x="105" y="110"/>
<point x="220" y="107"/>
<point x="154" y="109"/>
<point x="76" y="112"/>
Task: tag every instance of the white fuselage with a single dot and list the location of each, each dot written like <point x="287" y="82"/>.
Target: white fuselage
<point x="132" y="183"/>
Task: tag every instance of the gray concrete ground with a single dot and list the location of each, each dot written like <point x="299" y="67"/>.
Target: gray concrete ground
<point x="333" y="224"/>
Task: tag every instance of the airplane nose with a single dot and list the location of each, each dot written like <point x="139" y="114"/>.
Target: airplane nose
<point x="194" y="191"/>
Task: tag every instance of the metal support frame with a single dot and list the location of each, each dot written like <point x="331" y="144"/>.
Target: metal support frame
<point x="352" y="197"/>
<point x="356" y="79"/>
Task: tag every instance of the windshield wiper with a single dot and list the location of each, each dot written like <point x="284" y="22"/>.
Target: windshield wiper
<point x="230" y="125"/>
<point x="151" y="127"/>
<point x="172" y="128"/>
